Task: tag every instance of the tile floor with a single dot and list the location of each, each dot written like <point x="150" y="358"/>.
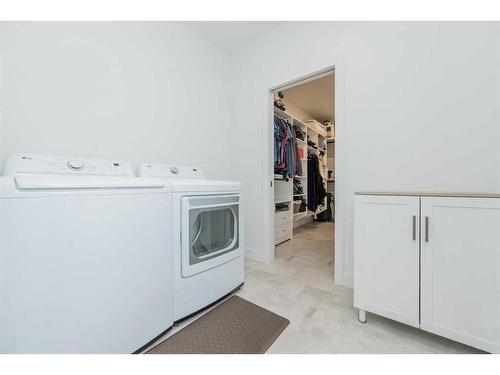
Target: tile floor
<point x="299" y="286"/>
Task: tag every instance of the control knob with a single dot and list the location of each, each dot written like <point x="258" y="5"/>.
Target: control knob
<point x="75" y="165"/>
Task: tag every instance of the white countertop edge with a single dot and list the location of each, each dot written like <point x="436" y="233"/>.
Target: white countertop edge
<point x="430" y="194"/>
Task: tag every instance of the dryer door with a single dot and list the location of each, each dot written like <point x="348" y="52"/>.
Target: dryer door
<point x="210" y="232"/>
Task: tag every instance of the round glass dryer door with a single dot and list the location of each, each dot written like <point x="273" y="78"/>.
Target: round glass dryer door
<point x="213" y="232"/>
<point x="210" y="234"/>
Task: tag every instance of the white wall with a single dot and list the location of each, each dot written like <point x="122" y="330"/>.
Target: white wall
<point x="137" y="91"/>
<point x="419" y="102"/>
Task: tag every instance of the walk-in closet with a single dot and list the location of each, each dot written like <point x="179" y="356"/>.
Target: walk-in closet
<point x="304" y="157"/>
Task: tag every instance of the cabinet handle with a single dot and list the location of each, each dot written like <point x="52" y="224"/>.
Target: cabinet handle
<point x="414" y="227"/>
<point x="427" y="229"/>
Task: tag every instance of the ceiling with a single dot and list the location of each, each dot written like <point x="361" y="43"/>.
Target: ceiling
<point x="316" y="98"/>
<point x="229" y="35"/>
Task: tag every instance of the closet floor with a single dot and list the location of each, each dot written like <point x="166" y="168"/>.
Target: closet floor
<point x="299" y="286"/>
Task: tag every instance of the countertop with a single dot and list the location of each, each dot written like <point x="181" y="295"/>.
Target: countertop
<point x="430" y="194"/>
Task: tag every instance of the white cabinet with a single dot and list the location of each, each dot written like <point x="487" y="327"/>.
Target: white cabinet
<point x="386" y="256"/>
<point x="461" y="270"/>
<point x="283" y="224"/>
<point x="441" y="274"/>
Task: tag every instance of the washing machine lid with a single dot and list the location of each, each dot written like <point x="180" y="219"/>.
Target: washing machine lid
<point x="58" y="182"/>
<point x="46" y="174"/>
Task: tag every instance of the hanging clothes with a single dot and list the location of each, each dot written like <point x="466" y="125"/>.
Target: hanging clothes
<point x="281" y="137"/>
<point x="316" y="192"/>
<point x="298" y="154"/>
<point x="285" y="149"/>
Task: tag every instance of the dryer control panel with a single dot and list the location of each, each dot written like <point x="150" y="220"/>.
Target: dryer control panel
<point x="169" y="170"/>
<point x="47" y="164"/>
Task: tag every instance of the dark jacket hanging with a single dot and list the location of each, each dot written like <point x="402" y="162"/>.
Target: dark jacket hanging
<point x="316" y="192"/>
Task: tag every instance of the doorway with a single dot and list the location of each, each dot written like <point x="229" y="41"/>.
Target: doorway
<point x="303" y="166"/>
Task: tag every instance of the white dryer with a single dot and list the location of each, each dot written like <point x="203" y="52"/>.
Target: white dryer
<point x="207" y="236"/>
<point x="82" y="256"/>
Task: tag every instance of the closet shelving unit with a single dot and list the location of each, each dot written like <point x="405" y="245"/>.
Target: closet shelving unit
<point x="283" y="190"/>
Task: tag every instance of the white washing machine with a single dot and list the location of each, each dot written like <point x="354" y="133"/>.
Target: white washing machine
<point x="207" y="236"/>
<point x="82" y="256"/>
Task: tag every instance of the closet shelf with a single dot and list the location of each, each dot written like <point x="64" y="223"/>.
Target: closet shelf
<point x="278" y="177"/>
<point x="282" y="113"/>
<point x="316" y="127"/>
<point x="298" y="122"/>
<point x="320" y="210"/>
<point x="282" y="201"/>
<point x="299" y="215"/>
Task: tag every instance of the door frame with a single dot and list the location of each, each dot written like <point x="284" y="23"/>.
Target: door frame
<point x="341" y="277"/>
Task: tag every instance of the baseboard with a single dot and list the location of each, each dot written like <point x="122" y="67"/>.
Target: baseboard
<point x="345" y="279"/>
<point x="255" y="254"/>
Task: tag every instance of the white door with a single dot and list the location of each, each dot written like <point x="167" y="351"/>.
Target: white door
<point x="210" y="232"/>
<point x="386" y="256"/>
<point x="460" y="293"/>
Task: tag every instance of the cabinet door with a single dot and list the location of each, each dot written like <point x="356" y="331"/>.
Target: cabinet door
<point x="386" y="256"/>
<point x="460" y="275"/>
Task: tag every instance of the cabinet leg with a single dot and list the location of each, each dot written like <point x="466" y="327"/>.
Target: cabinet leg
<point x="362" y="316"/>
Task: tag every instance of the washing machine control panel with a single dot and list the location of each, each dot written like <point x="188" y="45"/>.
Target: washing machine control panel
<point x="168" y="170"/>
<point x="44" y="164"/>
